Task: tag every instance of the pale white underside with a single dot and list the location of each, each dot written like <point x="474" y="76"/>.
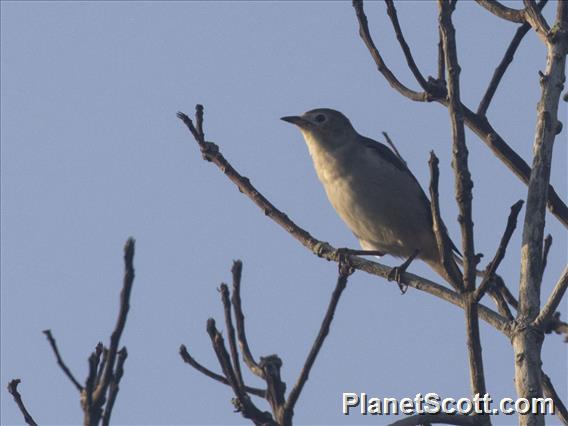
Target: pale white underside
<point x="381" y="204"/>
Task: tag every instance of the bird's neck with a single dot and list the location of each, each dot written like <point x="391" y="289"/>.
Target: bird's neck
<point x="329" y="161"/>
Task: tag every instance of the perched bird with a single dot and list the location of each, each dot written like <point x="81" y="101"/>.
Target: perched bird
<point x="371" y="188"/>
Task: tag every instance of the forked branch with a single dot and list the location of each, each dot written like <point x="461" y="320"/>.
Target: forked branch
<point x="478" y="123"/>
<point x="282" y="408"/>
<point x="500" y="253"/>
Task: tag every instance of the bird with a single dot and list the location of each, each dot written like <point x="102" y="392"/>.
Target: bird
<point x="371" y="189"/>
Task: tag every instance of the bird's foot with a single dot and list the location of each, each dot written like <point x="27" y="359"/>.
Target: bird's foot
<point x="344" y="260"/>
<point x="395" y="273"/>
<point x="344" y="256"/>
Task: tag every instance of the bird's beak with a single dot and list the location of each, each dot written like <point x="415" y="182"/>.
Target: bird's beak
<point x="298" y="121"/>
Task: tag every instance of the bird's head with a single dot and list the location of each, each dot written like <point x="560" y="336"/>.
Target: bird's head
<point x="325" y="126"/>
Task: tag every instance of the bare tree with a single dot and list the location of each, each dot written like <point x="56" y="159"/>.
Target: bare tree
<point x="521" y="319"/>
<point x="526" y="328"/>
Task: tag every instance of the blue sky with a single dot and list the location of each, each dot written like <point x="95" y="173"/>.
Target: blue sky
<point x="92" y="152"/>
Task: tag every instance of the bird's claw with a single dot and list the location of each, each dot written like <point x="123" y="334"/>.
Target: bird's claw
<point x="395" y="274"/>
<point x="344" y="261"/>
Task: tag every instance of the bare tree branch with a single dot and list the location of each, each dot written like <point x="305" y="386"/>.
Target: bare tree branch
<point x="463" y="183"/>
<point x="504" y="64"/>
<point x="441" y="61"/>
<point x="324" y="331"/>
<point x="482" y="128"/>
<point x="500" y="253"/>
<point x="553" y="300"/>
<point x="477" y="123"/>
<point x="443" y="241"/>
<point x="383" y="69"/>
<point x="527" y="339"/>
<point x="13" y="389"/>
<point x="545" y="250"/>
<point x="506" y="293"/>
<point x="391" y="11"/>
<point x="463" y="187"/>
<point x="187" y="358"/>
<point x="503" y="12"/>
<point x="550" y="392"/>
<point x="102" y="354"/>
<point x="535" y="18"/>
<point x="114" y="385"/>
<point x="91" y="413"/>
<point x="60" y="361"/>
<point x="545" y="133"/>
<point x="245" y="405"/>
<point x="240" y="320"/>
<point x="102" y="386"/>
<point x="231" y="333"/>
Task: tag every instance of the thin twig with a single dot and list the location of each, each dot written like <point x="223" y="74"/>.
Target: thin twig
<point x="383" y="69"/>
<point x="550" y="392"/>
<point x="500" y="301"/>
<point x="223" y="357"/>
<point x="545" y="250"/>
<point x="504" y="64"/>
<point x="442" y="239"/>
<point x="240" y="320"/>
<point x="391" y="11"/>
<point x="231" y="333"/>
<point x="323" y="332"/>
<point x="393" y="146"/>
<point x="60" y="361"/>
<point x="441" y="60"/>
<point x="500" y="253"/>
<point x="97" y="354"/>
<point x="187" y="358"/>
<point x="13" y="389"/>
<point x="102" y="354"/>
<point x="246" y="406"/>
<point x="128" y="281"/>
<point x="553" y="301"/>
<point x="506" y="293"/>
<point x="114" y="385"/>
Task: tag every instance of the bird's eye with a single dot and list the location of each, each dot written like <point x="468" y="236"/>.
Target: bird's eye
<point x="320" y="118"/>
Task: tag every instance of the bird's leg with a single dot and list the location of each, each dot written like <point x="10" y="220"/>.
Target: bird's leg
<point x="363" y="252"/>
<point x="343" y="261"/>
<point x="396" y="273"/>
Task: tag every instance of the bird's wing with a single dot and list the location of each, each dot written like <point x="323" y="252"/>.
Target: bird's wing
<point x="388" y="155"/>
<point x="385" y="152"/>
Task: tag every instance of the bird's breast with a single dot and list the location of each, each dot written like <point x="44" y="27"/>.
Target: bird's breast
<point x="379" y="203"/>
